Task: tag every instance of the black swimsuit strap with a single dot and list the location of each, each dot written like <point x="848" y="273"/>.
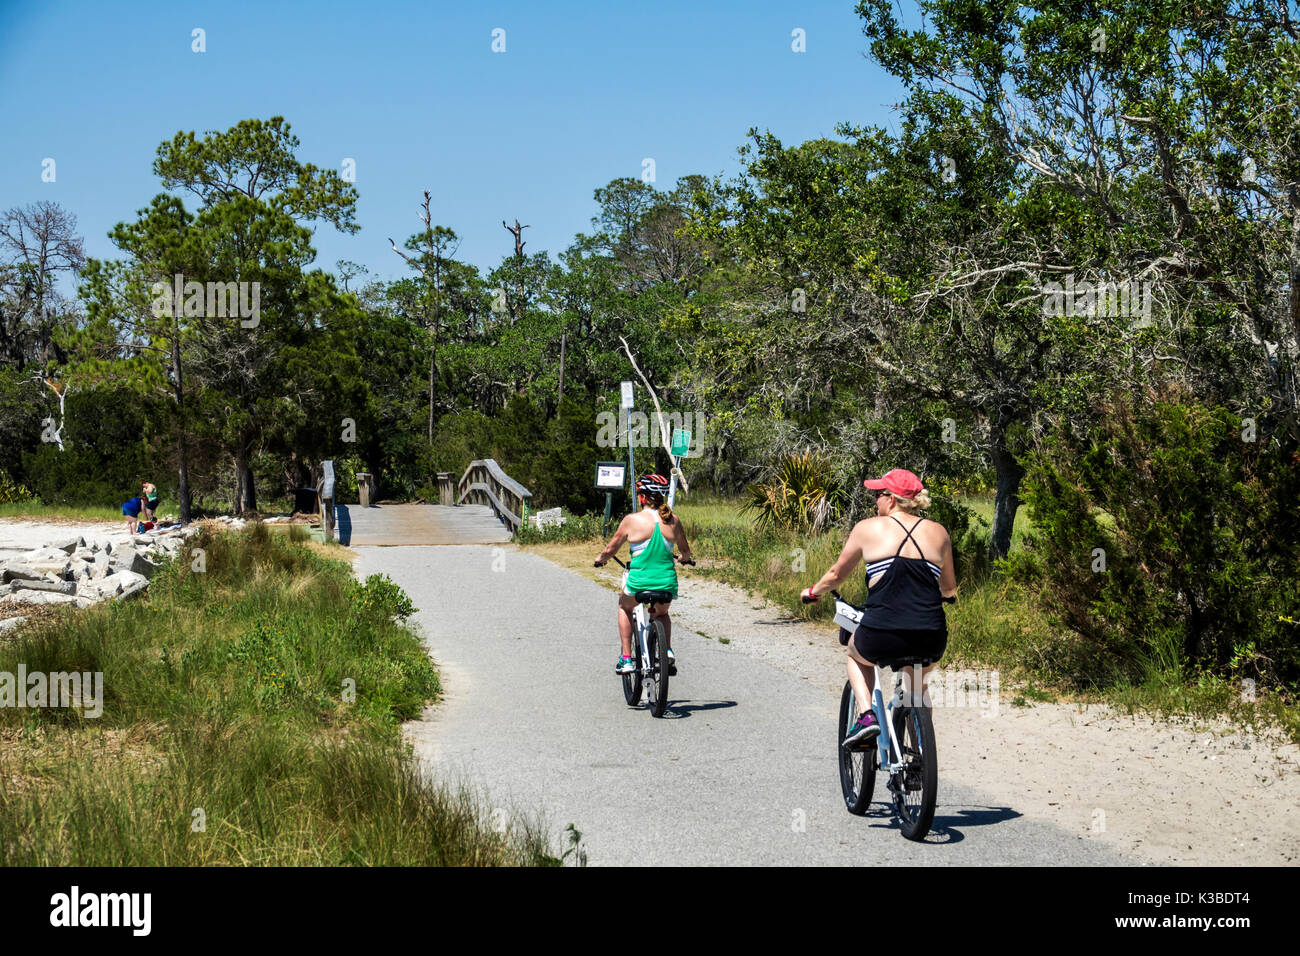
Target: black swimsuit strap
<point x="907" y="532"/>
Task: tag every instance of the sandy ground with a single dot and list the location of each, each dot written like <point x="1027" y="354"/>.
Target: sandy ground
<point x="1170" y="792"/>
<point x="18" y="534"/>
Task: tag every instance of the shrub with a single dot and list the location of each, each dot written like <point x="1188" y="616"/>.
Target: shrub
<point x="381" y="595"/>
<point x="801" y="495"/>
<point x="575" y="528"/>
<point x="1198" y="532"/>
<point x="11" y="491"/>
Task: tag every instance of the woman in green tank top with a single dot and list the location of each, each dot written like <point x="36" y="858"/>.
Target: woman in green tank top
<point x="651" y="534"/>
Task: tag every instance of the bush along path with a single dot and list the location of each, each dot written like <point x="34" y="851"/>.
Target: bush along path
<point x="245" y="714"/>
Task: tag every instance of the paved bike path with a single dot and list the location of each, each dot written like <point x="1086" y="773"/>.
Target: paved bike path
<point x="741" y="771"/>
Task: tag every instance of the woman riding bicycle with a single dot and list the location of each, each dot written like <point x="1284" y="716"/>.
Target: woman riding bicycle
<point x="909" y="576"/>
<point x="651" y="534"/>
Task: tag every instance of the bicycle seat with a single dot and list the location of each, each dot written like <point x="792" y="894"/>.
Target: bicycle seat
<point x="897" y="663"/>
<point x="652" y="597"/>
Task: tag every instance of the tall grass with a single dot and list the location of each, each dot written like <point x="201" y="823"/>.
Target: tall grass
<point x="251" y="716"/>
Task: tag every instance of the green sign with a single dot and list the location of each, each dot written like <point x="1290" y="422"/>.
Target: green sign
<point x="681" y="442"/>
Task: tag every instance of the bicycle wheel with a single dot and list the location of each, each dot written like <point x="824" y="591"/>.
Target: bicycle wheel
<point x="916" y="787"/>
<point x="857" y="766"/>
<point x="657" y="679"/>
<point x="632" y="681"/>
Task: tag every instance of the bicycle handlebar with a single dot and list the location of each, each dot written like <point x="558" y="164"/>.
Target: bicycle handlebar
<point x="626" y="568"/>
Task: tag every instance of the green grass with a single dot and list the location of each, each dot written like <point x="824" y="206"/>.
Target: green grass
<point x="230" y="734"/>
<point x="39" y="512"/>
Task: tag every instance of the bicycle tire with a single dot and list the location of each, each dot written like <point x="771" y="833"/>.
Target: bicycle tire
<point x="914" y="727"/>
<point x="857" y="767"/>
<point x="657" y="692"/>
<point x="632" y="681"/>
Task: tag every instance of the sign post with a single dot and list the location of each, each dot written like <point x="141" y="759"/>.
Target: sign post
<point x="609" y="475"/>
<point x="627" y="403"/>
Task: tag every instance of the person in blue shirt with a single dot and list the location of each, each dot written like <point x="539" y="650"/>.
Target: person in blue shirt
<point x="142" y="504"/>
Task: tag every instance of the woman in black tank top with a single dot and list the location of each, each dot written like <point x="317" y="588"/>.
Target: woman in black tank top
<point x="903" y="617"/>
<point x="904" y="612"/>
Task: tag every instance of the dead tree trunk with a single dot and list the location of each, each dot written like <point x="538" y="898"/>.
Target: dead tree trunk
<point x="517" y="231"/>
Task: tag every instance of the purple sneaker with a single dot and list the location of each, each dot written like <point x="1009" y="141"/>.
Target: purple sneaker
<point x="863" y="730"/>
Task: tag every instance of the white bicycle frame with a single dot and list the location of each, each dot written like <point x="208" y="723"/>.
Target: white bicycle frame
<point x="848" y="617"/>
<point x="884" y="716"/>
<point x="643" y="620"/>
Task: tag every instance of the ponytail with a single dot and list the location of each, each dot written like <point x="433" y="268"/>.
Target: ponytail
<point x="665" y="512"/>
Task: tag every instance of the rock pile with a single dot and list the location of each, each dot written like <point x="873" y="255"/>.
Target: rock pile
<point x="84" y="571"/>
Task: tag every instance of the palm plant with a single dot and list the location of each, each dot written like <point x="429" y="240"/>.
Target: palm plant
<point x="801" y="495"/>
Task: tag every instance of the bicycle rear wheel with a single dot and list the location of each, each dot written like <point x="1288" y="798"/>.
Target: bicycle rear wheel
<point x="916" y="787"/>
<point x="657" y="679"/>
<point x="857" y="766"/>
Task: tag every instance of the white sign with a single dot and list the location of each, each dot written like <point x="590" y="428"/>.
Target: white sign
<point x="610" y="475"/>
<point x="627" y="395"/>
<point x="327" y="480"/>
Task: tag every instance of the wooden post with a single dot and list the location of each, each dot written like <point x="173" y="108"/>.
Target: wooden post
<point x="326" y="486"/>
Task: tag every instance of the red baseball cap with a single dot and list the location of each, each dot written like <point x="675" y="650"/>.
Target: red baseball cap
<point x="900" y="482"/>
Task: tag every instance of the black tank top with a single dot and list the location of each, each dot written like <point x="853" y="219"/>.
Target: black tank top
<point x="907" y="597"/>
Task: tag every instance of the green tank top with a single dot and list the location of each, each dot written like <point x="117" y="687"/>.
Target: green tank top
<point x="652" y="567"/>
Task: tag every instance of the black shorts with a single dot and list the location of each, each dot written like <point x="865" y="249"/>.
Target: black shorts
<point x="881" y="647"/>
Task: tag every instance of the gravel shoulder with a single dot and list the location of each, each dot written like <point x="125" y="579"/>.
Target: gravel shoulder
<point x="1169" y="791"/>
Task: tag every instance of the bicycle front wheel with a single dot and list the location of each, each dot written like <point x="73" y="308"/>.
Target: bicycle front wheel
<point x="916" y="786"/>
<point x="857" y="766"/>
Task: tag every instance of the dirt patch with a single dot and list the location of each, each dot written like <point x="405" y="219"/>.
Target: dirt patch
<point x="1169" y="791"/>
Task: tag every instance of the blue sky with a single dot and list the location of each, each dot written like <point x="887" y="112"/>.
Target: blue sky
<point x="415" y="95"/>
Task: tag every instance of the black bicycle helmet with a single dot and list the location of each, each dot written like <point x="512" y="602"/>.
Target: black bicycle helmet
<point x="653" y="485"/>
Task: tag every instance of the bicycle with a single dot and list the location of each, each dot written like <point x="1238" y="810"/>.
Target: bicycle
<point x="653" y="668"/>
<point x="905" y="748"/>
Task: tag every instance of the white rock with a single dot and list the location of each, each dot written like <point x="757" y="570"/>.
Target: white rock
<point x="16" y="571"/>
<point x="9" y="623"/>
<point x="39" y="597"/>
<point x="111" y="585"/>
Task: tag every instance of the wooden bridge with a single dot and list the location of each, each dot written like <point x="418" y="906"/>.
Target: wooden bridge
<point x="489" y="507"/>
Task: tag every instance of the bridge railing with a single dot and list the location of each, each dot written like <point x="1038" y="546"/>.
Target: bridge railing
<point x="484" y="483"/>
